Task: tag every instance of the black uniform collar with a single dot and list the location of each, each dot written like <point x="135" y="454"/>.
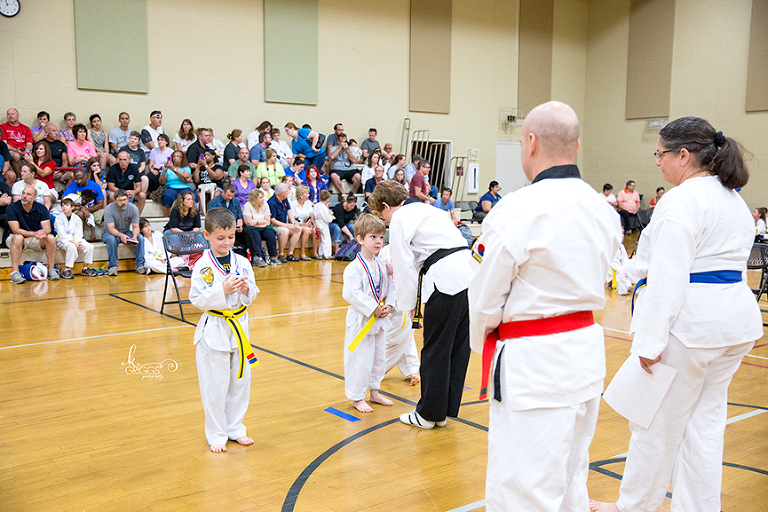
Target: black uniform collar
<point x="558" y="171"/>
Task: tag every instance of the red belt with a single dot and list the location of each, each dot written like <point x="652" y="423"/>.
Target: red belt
<point x="522" y="328"/>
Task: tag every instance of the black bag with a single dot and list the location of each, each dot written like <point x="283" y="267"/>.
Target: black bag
<point x="347" y="251"/>
<point x="320" y="141"/>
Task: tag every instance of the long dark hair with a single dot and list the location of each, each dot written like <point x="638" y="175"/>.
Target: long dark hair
<point x="720" y="155"/>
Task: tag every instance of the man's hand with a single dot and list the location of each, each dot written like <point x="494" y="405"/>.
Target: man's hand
<point x="40" y="235"/>
<point x="130" y="193"/>
<point x="124" y="238"/>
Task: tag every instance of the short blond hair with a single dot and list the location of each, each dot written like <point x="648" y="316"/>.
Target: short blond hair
<point x="300" y="190"/>
<point x="367" y="223"/>
<point x="390" y="192"/>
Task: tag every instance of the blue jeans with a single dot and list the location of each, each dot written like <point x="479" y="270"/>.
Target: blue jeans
<point x="317" y="161"/>
<point x="112" y="243"/>
<point x="336" y="231"/>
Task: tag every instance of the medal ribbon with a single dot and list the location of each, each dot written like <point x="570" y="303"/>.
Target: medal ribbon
<point x="377" y="294"/>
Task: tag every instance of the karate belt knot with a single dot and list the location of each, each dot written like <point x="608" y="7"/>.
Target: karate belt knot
<point x="232" y="317"/>
<point x="711" y="277"/>
<point x="520" y="329"/>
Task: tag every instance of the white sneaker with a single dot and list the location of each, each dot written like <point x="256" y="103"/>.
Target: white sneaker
<point x="112" y="271"/>
<point x="53" y="275"/>
<point x="412" y="418"/>
<point x="17" y="277"/>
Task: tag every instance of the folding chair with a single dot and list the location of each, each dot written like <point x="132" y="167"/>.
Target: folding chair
<point x="180" y="244"/>
<point x="758" y="260"/>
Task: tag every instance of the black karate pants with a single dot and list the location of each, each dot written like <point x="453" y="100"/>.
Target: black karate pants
<point x="445" y="356"/>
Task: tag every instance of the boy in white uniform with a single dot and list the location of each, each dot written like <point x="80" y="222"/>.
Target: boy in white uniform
<point x="401" y="346"/>
<point x="69" y="237"/>
<point x="366" y="285"/>
<point x="323" y="218"/>
<point x="223" y="287"/>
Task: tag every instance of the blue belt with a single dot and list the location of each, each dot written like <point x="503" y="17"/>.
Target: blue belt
<point x="712" y="277"/>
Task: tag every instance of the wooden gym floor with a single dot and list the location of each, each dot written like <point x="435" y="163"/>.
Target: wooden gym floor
<point x="100" y="410"/>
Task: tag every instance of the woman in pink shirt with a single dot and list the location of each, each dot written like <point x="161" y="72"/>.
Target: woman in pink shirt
<point x="80" y="149"/>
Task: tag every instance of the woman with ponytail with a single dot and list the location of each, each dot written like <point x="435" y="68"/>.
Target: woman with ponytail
<point x="696" y="314"/>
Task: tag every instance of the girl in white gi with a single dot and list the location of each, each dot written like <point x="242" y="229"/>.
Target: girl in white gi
<point x="423" y="238"/>
<point x="223" y="287"/>
<point x="323" y="218"/>
<point x="695" y="314"/>
<point x="154" y="252"/>
<point x="759" y="215"/>
<point x="69" y="237"/>
<point x="398" y="332"/>
<point x="366" y="286"/>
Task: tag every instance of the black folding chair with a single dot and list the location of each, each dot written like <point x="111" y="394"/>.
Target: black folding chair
<point x="758" y="260"/>
<point x="180" y="244"/>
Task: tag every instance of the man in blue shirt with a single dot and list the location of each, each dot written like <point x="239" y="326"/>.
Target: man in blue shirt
<point x="258" y="152"/>
<point x="288" y="232"/>
<point x="445" y="203"/>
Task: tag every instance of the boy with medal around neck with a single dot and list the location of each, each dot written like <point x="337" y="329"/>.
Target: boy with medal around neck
<point x="223" y="287"/>
<point x="366" y="284"/>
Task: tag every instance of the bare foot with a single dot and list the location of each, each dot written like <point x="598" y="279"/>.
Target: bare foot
<point x="598" y="506"/>
<point x="377" y="398"/>
<point x="362" y="406"/>
<point x="218" y="448"/>
<point x="415" y="379"/>
<point x="245" y="441"/>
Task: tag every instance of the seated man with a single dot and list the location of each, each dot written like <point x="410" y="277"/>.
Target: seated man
<point x="370" y="144"/>
<point x="344" y="214"/>
<point x="378" y="176"/>
<point x="119" y="137"/>
<point x="87" y="209"/>
<point x="259" y="151"/>
<point x="242" y="159"/>
<point x="121" y="225"/>
<point x="29" y="179"/>
<point x="288" y="232"/>
<point x="343" y="165"/>
<point x="445" y="203"/>
<point x="125" y="176"/>
<point x="139" y="159"/>
<point x="18" y="137"/>
<point x="419" y="188"/>
<point x="31" y="227"/>
<point x="629" y="202"/>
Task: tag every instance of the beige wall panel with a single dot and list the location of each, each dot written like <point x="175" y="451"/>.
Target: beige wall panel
<point x="430" y="56"/>
<point x="535" y="69"/>
<point x="757" y="69"/>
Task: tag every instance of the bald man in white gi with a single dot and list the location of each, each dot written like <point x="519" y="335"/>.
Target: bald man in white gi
<point x="543" y="256"/>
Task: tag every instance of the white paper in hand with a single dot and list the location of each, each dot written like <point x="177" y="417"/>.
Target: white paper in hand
<point x="637" y="395"/>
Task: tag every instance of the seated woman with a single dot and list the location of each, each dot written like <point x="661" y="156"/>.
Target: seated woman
<point x="655" y="200"/>
<point x="266" y="188"/>
<point x="370" y="166"/>
<point x="243" y="184"/>
<point x="184" y="215"/>
<point x="400" y="178"/>
<point x="304" y="215"/>
<point x="271" y="168"/>
<point x="78" y="151"/>
<point x="185" y="137"/>
<point x="100" y="139"/>
<point x="314" y="184"/>
<point x="94" y="172"/>
<point x="66" y="134"/>
<point x="44" y="167"/>
<point x="176" y="177"/>
<point x="258" y="227"/>
<point x="209" y="177"/>
<point x="235" y="138"/>
<point x="29" y="179"/>
<point x="488" y="200"/>
<point x="154" y="253"/>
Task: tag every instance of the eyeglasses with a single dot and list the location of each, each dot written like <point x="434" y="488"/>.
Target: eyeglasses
<point x="659" y="154"/>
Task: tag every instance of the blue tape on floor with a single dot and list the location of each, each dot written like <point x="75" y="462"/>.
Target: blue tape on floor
<point x="467" y="387"/>
<point x="342" y="415"/>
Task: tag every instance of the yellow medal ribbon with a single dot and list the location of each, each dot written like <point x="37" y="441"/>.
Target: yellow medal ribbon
<point x="232" y="319"/>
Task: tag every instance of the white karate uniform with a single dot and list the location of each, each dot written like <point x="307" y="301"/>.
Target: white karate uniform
<point x="154" y="253"/>
<point x="760" y="228"/>
<point x="323" y="218"/>
<point x="623" y="284"/>
<point x="702" y="330"/>
<point x="401" y="345"/>
<point x="225" y="397"/>
<point x="364" y="367"/>
<point x="545" y="250"/>
<point x="68" y="233"/>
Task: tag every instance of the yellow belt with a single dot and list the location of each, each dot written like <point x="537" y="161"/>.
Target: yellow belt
<point x="367" y="327"/>
<point x="233" y="320"/>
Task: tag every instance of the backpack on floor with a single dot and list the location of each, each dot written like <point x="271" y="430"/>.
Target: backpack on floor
<point x="347" y="251"/>
<point x="34" y="271"/>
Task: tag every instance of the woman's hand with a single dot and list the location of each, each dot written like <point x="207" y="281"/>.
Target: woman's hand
<point x="646" y="363"/>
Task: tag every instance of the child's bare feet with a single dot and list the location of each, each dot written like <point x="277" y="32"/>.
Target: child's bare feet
<point x="377" y="398"/>
<point x="218" y="448"/>
<point x="415" y="379"/>
<point x="362" y="406"/>
<point x="597" y="506"/>
<point x="245" y="441"/>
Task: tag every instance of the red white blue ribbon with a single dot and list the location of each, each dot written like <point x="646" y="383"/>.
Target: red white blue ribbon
<point x="375" y="289"/>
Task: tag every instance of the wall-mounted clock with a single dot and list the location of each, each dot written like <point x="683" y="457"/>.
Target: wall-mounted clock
<point x="9" y="8"/>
